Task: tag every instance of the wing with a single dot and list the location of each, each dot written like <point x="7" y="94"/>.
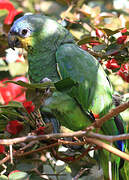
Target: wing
<point x="93" y="90"/>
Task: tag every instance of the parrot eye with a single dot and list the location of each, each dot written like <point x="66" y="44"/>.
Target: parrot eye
<point x="25" y="33"/>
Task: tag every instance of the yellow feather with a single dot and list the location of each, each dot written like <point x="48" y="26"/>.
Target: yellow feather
<point x="25" y="42"/>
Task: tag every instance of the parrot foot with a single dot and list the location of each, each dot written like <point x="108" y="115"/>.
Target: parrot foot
<point x="47" y="91"/>
<point x="45" y="80"/>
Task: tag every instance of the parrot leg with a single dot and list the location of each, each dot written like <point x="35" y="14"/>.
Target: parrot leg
<point x="47" y="116"/>
<point x="45" y="80"/>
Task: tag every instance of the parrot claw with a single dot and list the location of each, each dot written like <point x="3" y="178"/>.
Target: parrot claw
<point x="47" y="91"/>
<point x="45" y="80"/>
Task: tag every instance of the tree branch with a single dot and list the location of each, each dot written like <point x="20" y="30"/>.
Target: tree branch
<point x="61" y="135"/>
<point x="89" y="140"/>
<point x="113" y="112"/>
<point x="109" y="148"/>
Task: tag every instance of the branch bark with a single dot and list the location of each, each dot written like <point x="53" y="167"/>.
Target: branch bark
<point x="113" y="112"/>
<point x="61" y="135"/>
<point x="89" y="140"/>
<point x="109" y="148"/>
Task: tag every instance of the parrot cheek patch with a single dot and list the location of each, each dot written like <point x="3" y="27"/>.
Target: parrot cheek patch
<point x="26" y="42"/>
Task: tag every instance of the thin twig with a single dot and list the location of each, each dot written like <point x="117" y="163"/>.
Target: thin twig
<point x="80" y="173"/>
<point x="30" y="144"/>
<point x="96" y="54"/>
<point x="108" y="148"/>
<point x="108" y="138"/>
<point x="21" y="153"/>
<point x="110" y="166"/>
<point x="4" y="171"/>
<point x="11" y="153"/>
<point x="7" y="158"/>
<point x="55" y="174"/>
<point x="18" y="154"/>
<point x="113" y="112"/>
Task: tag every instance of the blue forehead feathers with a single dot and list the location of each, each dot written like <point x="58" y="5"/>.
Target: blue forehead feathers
<point x="20" y="24"/>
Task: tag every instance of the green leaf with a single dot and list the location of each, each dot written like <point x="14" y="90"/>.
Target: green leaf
<point x="64" y="84"/>
<point x="99" y="47"/>
<point x="18" y="176"/>
<point x="3" y="123"/>
<point x="113" y="48"/>
<point x="27" y="166"/>
<point x="68" y="169"/>
<point x="126" y="33"/>
<point x="42" y="86"/>
<point x="87" y="39"/>
<point x="127" y="24"/>
<point x="3" y="177"/>
<point x="110" y="32"/>
<point x="14" y="104"/>
<point x="10" y="112"/>
<point x="3" y="66"/>
<point x="125" y="115"/>
<point x="35" y="177"/>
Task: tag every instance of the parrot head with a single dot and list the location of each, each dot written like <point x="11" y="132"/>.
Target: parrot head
<point x="34" y="31"/>
<point x="20" y="34"/>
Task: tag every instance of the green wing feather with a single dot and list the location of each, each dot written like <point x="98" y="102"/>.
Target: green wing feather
<point x="93" y="91"/>
<point x="67" y="111"/>
<point x="84" y="69"/>
<point x="81" y="68"/>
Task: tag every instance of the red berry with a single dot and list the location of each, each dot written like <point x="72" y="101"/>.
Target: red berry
<point x="121" y="39"/>
<point x="2" y="149"/>
<point x="94" y="43"/>
<point x="29" y="106"/>
<point x="112" y="64"/>
<point x="99" y="33"/>
<point x="40" y="130"/>
<point x="124" y="72"/>
<point x="123" y="30"/>
<point x="14" y="127"/>
<point x="84" y="47"/>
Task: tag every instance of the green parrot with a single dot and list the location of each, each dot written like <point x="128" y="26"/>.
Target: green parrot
<point x="54" y="56"/>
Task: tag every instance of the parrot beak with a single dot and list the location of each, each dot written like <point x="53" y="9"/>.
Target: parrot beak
<point x="13" y="40"/>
